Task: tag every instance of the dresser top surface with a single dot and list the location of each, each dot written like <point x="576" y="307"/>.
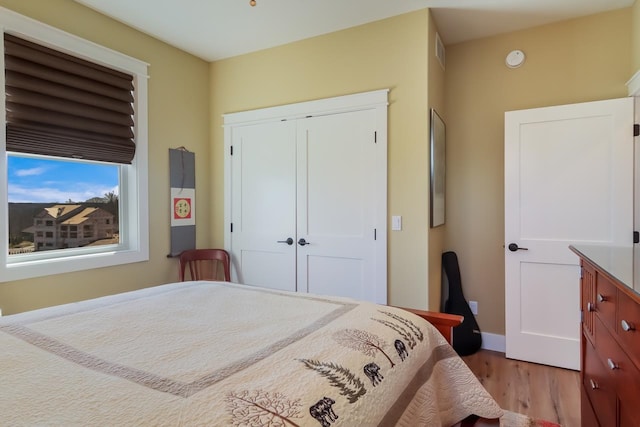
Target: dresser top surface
<point x="621" y="263"/>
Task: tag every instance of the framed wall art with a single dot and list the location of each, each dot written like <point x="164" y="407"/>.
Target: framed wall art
<point x="437" y="188"/>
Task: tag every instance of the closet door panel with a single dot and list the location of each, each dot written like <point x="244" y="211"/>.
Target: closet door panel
<point x="336" y="204"/>
<point x="264" y="205"/>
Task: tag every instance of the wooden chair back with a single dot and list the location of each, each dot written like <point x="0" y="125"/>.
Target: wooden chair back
<point x="204" y="264"/>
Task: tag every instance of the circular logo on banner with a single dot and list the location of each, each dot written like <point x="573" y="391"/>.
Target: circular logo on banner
<point x="182" y="208"/>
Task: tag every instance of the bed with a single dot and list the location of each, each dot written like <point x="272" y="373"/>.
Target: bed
<point x="219" y="354"/>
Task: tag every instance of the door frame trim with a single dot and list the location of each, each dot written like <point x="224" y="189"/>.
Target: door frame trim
<point x="374" y="100"/>
<point x="318" y="107"/>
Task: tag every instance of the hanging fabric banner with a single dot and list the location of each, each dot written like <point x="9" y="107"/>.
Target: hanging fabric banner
<point x="182" y="174"/>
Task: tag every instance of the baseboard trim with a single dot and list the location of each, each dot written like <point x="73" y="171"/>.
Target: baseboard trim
<point x="493" y="342"/>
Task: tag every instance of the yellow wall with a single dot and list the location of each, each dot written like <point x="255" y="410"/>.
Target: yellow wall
<point x="635" y="38"/>
<point x="384" y="54"/>
<point x="178" y="115"/>
<point x="436" y="235"/>
<point x="578" y="60"/>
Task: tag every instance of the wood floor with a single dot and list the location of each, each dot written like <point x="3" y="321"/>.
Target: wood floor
<point x="540" y="391"/>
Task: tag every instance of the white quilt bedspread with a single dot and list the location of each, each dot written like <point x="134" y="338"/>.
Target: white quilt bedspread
<point x="218" y="354"/>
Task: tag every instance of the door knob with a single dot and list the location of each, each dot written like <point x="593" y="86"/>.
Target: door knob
<point x="289" y="241"/>
<point x="303" y="242"/>
<point x="514" y="247"/>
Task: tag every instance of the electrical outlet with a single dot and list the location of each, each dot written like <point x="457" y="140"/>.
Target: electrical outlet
<point x="473" y="305"/>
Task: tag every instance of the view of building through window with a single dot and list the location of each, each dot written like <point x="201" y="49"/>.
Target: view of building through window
<point x="61" y="203"/>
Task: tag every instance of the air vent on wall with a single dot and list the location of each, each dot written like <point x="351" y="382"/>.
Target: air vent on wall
<point x="440" y="53"/>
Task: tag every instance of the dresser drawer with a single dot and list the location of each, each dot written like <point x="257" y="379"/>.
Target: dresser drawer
<point x="599" y="387"/>
<point x="587" y="299"/>
<point x="611" y="354"/>
<point x="587" y="415"/>
<point x="624" y="374"/>
<point x="629" y="313"/>
<point x="629" y="413"/>
<point x="606" y="301"/>
<point x="628" y="388"/>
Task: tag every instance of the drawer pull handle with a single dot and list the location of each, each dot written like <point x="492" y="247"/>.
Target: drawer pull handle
<point x="594" y="385"/>
<point x="626" y="326"/>
<point x="612" y="364"/>
<point x="589" y="307"/>
<point x="601" y="298"/>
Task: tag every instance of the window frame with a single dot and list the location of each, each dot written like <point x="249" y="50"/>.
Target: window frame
<point x="133" y="197"/>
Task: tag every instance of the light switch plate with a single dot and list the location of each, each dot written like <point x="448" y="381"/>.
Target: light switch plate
<point x="396" y="223"/>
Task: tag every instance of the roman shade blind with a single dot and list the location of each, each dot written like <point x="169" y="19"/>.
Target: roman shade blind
<point x="64" y="106"/>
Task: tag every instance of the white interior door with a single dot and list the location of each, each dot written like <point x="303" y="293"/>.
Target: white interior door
<point x="568" y="180"/>
<point x="336" y="205"/>
<point x="263" y="205"/>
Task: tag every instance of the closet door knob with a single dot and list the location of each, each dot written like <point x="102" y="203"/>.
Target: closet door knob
<point x="589" y="306"/>
<point x="289" y="241"/>
<point x="514" y="247"/>
<point x="303" y="242"/>
<point x="601" y="298"/>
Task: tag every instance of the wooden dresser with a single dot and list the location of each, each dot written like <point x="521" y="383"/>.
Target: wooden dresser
<point x="610" y="339"/>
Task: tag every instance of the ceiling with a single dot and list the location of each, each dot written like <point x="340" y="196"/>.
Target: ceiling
<point x="217" y="29"/>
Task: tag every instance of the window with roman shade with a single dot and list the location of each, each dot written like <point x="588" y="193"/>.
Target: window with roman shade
<point x="76" y="132"/>
<point x="64" y="106"/>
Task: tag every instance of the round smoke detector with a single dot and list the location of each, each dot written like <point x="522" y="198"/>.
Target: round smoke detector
<point x="515" y="58"/>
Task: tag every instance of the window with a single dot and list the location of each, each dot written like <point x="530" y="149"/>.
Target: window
<point x="90" y="144"/>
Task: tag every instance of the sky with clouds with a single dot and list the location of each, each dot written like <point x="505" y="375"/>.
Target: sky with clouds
<point x="37" y="180"/>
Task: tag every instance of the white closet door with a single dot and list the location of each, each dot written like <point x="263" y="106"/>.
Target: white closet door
<point x="263" y="204"/>
<point x="336" y="206"/>
<point x="316" y="171"/>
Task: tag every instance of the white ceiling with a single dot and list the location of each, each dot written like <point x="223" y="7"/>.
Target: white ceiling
<point x="217" y="29"/>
